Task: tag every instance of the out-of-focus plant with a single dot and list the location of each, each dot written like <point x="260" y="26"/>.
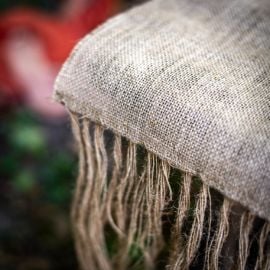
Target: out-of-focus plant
<point x="37" y="175"/>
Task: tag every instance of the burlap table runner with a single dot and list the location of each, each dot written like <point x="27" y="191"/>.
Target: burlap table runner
<point x="189" y="81"/>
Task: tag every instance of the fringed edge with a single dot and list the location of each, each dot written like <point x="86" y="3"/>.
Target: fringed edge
<point x="122" y="197"/>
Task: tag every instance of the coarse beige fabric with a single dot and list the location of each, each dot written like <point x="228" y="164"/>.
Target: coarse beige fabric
<point x="189" y="80"/>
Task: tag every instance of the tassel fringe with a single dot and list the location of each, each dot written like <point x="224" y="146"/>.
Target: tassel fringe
<point x="130" y="212"/>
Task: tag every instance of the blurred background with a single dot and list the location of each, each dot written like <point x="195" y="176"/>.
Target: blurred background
<point x="38" y="163"/>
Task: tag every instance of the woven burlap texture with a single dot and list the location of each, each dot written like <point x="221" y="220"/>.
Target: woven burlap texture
<point x="189" y="80"/>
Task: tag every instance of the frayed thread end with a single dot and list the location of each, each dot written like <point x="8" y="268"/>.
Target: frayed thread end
<point x="132" y="210"/>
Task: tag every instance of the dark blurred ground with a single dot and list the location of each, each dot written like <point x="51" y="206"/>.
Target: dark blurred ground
<point x="37" y="164"/>
<point x="37" y="170"/>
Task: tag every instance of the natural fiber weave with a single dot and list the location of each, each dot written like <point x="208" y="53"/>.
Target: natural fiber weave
<point x="190" y="81"/>
<point x="132" y="210"/>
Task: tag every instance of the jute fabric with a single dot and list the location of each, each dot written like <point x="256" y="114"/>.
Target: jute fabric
<point x="189" y="80"/>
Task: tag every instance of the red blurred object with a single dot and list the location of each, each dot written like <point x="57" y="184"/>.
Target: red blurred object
<point x="55" y="36"/>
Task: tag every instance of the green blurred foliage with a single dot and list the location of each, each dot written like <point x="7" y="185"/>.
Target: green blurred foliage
<point x="24" y="181"/>
<point x="37" y="171"/>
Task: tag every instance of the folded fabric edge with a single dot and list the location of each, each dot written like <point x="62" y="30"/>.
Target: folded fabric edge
<point x="71" y="102"/>
<point x="96" y="116"/>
